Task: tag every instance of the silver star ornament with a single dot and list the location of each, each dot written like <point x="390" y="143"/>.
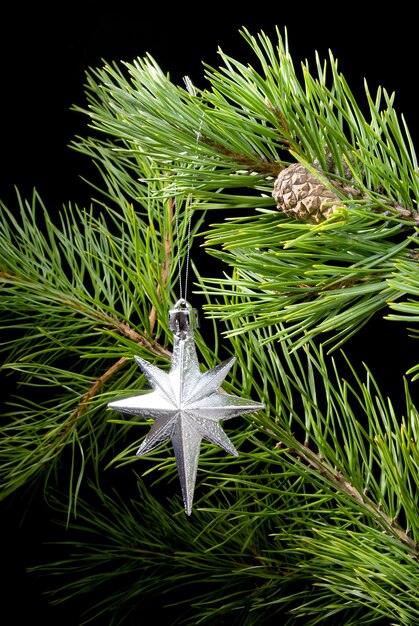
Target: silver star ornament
<point x="185" y="403"/>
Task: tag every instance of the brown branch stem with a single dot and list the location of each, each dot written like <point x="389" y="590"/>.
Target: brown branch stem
<point x="122" y="327"/>
<point x="132" y="334"/>
<point x="341" y="483"/>
<point x="286" y="133"/>
<point x="94" y="389"/>
<point x="167" y="243"/>
<point x="261" y="166"/>
<point x="108" y="320"/>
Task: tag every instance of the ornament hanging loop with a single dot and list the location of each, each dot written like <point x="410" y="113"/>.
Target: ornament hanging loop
<point x="183" y="293"/>
<point x="188" y="209"/>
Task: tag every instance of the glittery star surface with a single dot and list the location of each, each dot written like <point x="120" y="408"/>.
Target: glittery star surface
<point x="186" y="404"/>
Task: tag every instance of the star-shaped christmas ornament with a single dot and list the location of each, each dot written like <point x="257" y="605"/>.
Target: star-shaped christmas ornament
<point x="186" y="404"/>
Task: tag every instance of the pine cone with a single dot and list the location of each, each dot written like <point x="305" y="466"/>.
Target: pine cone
<point x="301" y="195"/>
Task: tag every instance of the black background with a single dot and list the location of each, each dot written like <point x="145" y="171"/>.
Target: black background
<point x="44" y="54"/>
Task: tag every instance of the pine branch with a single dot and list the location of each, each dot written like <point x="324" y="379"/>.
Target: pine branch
<point x="85" y="273"/>
<point x="279" y="531"/>
<point x="336" y="478"/>
<point x="326" y="279"/>
<point x="243" y="131"/>
<point x="317" y="517"/>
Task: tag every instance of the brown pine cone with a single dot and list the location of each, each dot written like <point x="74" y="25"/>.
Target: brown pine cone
<point x="303" y="196"/>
